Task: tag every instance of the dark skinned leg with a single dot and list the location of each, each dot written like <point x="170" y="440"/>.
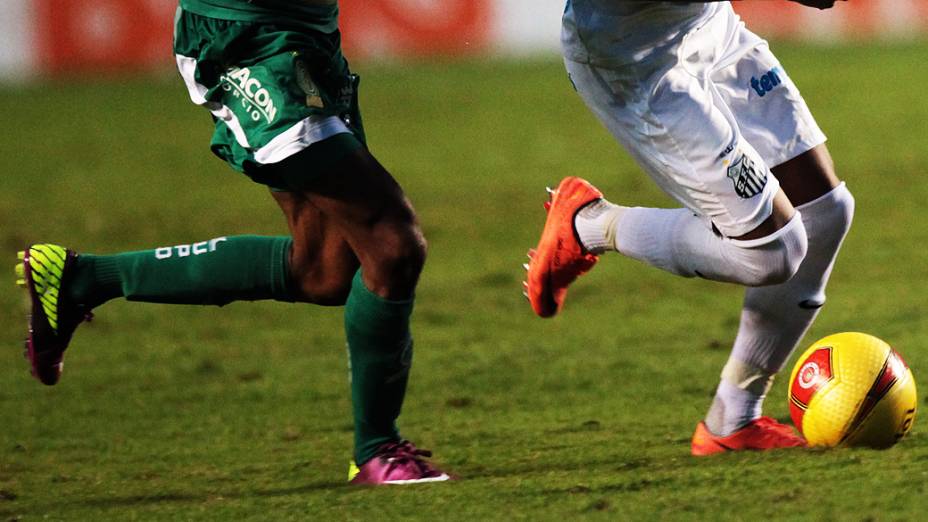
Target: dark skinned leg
<point x="802" y="179"/>
<point x="357" y="214"/>
<point x="807" y="176"/>
<point x="774" y="319"/>
<point x="321" y="262"/>
<point x="369" y="210"/>
<point x="783" y="211"/>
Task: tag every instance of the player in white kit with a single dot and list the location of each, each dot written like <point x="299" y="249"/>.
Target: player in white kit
<point x="709" y="113"/>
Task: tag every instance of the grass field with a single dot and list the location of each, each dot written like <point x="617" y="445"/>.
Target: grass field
<point x="179" y="413"/>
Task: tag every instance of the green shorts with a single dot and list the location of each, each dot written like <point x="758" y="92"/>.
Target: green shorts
<point x="274" y="90"/>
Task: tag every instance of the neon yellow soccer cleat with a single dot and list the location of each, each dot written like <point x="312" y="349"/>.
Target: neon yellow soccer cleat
<point x="44" y="270"/>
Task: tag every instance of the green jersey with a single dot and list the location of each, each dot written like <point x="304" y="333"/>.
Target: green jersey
<point x="273" y="76"/>
<point x="317" y="15"/>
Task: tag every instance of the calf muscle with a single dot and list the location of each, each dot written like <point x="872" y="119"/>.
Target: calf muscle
<point x="356" y="207"/>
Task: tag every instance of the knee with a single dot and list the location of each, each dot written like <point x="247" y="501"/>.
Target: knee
<point x="774" y="259"/>
<point x="331" y="292"/>
<point x="827" y="221"/>
<point x="830" y="216"/>
<point x="402" y="252"/>
<point x="845" y="205"/>
<point x="784" y="264"/>
<point x="312" y="281"/>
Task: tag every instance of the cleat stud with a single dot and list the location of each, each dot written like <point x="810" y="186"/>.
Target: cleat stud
<point x="21" y="255"/>
<point x="525" y="294"/>
<point x="525" y="266"/>
<point x="20" y="270"/>
<point x="21" y="282"/>
<point x="550" y="191"/>
<point x="547" y="205"/>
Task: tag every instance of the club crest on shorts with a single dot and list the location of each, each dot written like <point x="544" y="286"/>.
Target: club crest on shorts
<point x="305" y="81"/>
<point x="749" y="181"/>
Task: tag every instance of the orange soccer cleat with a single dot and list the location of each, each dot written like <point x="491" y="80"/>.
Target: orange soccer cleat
<point x="763" y="433"/>
<point x="559" y="258"/>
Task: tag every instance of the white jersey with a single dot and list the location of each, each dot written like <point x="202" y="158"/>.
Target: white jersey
<point x="618" y="32"/>
<point x="696" y="98"/>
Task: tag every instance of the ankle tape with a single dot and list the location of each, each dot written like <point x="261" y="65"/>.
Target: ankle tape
<point x="747" y="377"/>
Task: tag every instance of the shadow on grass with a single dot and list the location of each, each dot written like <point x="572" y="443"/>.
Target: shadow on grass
<point x="622" y="487"/>
<point x="184" y="498"/>
<point x="613" y="464"/>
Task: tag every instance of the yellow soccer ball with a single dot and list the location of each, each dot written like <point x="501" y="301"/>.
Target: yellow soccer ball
<point x="852" y="389"/>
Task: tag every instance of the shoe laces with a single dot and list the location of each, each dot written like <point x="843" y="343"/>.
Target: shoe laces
<point x="405" y="453"/>
<point x="79" y="315"/>
<point x="770" y="428"/>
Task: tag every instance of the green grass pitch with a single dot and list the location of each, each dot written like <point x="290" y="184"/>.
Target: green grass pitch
<point x="180" y="413"/>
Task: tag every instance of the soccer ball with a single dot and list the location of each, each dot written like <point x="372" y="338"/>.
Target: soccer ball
<point x="852" y="389"/>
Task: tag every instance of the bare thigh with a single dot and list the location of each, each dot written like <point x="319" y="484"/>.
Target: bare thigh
<point x="358" y="215"/>
<point x="322" y="263"/>
<point x="807" y="176"/>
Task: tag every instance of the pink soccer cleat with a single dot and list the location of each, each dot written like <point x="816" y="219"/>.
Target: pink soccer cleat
<point x="397" y="463"/>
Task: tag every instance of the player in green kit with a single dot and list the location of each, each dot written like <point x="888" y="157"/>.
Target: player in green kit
<point x="285" y="109"/>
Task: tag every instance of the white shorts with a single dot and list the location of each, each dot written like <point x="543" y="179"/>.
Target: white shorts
<point x="706" y="117"/>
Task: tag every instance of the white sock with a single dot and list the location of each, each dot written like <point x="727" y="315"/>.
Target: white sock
<point x="596" y="224"/>
<point x="775" y="318"/>
<point x="678" y="241"/>
<point x="738" y="398"/>
<point x="732" y="408"/>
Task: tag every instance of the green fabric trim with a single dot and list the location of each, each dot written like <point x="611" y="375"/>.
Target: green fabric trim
<point x="96" y="280"/>
<point x="281" y="285"/>
<point x="380" y="351"/>
<point x="297" y="173"/>
<point x="214" y="272"/>
<point x="322" y="18"/>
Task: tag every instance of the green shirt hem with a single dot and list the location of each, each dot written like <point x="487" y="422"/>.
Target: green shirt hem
<point x="322" y="18"/>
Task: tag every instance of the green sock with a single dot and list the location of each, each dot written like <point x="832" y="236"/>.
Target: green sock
<point x="214" y="272"/>
<point x="380" y="352"/>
